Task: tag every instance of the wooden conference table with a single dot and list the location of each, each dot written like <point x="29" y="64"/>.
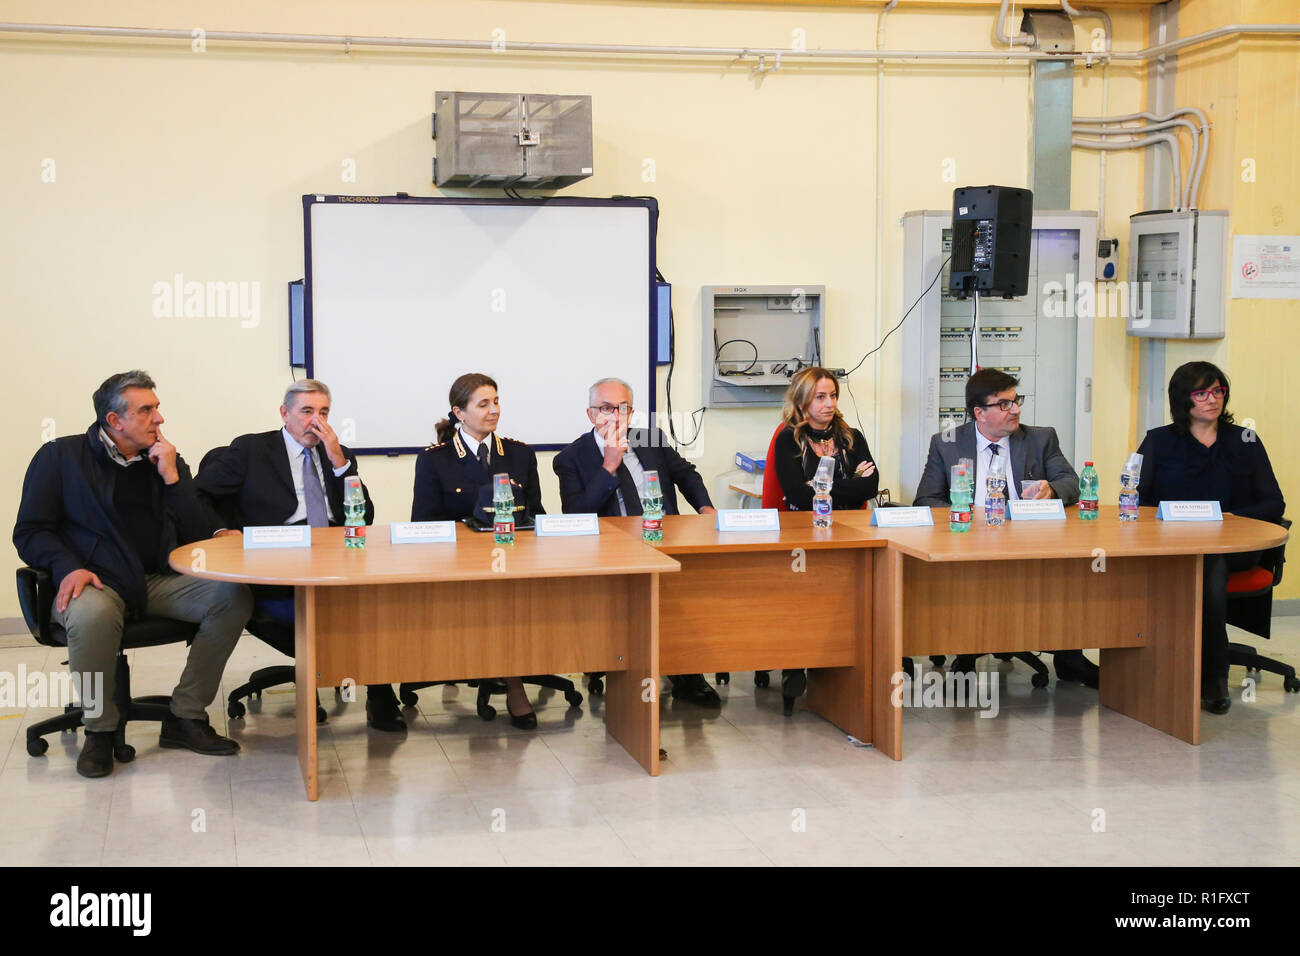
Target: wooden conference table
<point x="848" y="602"/>
<point x="413" y="612"/>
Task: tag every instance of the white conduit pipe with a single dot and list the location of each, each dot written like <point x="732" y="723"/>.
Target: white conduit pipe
<point x="1076" y="12"/>
<point x="1201" y="118"/>
<point x="1151" y="140"/>
<point x="520" y="46"/>
<point x="1020" y="39"/>
<point x="880" y="220"/>
<point x="1189" y="196"/>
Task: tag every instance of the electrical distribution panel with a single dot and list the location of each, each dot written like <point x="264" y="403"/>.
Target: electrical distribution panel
<point x="1176" y="268"/>
<point x="1044" y="337"/>
<point x="755" y="338"/>
<point x="536" y="140"/>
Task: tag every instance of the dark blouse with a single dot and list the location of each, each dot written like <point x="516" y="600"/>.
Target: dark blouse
<point x="795" y="469"/>
<point x="1235" y="471"/>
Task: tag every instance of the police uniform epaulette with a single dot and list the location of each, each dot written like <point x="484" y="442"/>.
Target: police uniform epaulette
<point x="514" y="440"/>
<point x="435" y="447"/>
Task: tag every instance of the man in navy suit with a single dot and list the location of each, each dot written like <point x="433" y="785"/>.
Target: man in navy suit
<point x="603" y="472"/>
<point x="293" y="475"/>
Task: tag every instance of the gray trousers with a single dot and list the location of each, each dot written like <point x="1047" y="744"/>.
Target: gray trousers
<point x="94" y="625"/>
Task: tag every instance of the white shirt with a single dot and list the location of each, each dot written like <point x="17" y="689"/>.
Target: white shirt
<point x="983" y="459"/>
<point x="294" y="451"/>
<point x="472" y="443"/>
<point x="633" y="466"/>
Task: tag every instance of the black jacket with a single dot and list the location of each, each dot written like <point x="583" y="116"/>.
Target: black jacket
<point x="249" y="481"/>
<point x="67" y="519"/>
<point x="450" y="482"/>
<point x="587" y="488"/>
<point x="795" y="468"/>
<point x="1234" y="471"/>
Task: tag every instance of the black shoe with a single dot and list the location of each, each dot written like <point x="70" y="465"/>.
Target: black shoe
<point x="1214" y="695"/>
<point x="1213" y="705"/>
<point x="695" y="688"/>
<point x="963" y="664"/>
<point x="96" y="758"/>
<point x="793" y="684"/>
<point x="1072" y="665"/>
<point x="187" y="733"/>
<point x="382" y="712"/>
<point x="527" y="722"/>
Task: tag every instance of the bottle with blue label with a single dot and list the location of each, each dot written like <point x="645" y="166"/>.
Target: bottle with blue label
<point x="1128" y="488"/>
<point x="652" y="509"/>
<point x="822" y="483"/>
<point x="1088" y="485"/>
<point x="354" y="513"/>
<point x="503" y="507"/>
<point x="960" y="485"/>
<point x="995" y="493"/>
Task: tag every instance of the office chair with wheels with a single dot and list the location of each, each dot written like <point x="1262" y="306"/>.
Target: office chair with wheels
<point x="1250" y="607"/>
<point x="36" y="592"/>
<point x="489" y="686"/>
<point x="280" y="636"/>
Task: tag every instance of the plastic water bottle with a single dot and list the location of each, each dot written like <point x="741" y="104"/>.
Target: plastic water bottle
<point x="1128" y="488"/>
<point x="1088" y="492"/>
<point x="503" y="507"/>
<point x="822" y="483"/>
<point x="960" y="486"/>
<point x="354" y="513"/>
<point x="995" y="493"/>
<point x="652" y="509"/>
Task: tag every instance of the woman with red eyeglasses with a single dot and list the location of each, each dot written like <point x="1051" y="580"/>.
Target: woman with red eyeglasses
<point x="1203" y="456"/>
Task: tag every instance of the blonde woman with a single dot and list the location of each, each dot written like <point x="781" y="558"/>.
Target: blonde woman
<point x="814" y="428"/>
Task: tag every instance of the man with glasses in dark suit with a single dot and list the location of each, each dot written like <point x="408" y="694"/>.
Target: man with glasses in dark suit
<point x="1033" y="453"/>
<point x="603" y="472"/>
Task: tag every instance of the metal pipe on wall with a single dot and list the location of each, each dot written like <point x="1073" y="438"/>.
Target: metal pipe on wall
<point x="1154" y="138"/>
<point x="1201" y="118"/>
<point x="1189" y="195"/>
<point x="1076" y="12"/>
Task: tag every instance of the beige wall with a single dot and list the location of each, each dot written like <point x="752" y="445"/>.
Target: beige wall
<point x="170" y="161"/>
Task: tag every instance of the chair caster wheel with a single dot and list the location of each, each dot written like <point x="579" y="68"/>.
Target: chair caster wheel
<point x="409" y="698"/>
<point x="722" y="678"/>
<point x="1039" y="680"/>
<point x="937" y="660"/>
<point x="787" y="705"/>
<point x="761" y="679"/>
<point x="1291" y="684"/>
<point x="123" y="753"/>
<point x="257" y="694"/>
<point x="596" y="686"/>
<point x="37" y="747"/>
<point x="487" y="712"/>
<point x="574" y="698"/>
<point x="235" y="710"/>
<point x="321" y="716"/>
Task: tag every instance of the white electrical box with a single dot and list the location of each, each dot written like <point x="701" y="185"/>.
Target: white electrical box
<point x="1176" y="270"/>
<point x="755" y="338"/>
<point x="1043" y="338"/>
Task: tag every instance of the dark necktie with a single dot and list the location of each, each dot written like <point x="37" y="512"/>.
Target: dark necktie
<point x="483" y="454"/>
<point x="627" y="486"/>
<point x="318" y="515"/>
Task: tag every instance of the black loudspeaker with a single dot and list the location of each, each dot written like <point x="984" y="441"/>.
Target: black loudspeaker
<point x="990" y="240"/>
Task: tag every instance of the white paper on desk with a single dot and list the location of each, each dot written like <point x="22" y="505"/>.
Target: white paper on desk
<point x="422" y="532"/>
<point x="277" y="536"/>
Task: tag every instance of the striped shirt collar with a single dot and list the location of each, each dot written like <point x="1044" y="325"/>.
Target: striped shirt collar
<point x="115" y="453"/>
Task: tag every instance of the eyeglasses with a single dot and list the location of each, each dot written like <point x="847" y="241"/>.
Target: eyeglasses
<point x="605" y="408"/>
<point x="1006" y="403"/>
<point x="1203" y="394"/>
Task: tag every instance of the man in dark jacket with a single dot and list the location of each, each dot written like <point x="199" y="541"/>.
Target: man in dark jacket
<point x="101" y="512"/>
<point x="603" y="472"/>
<point x="293" y="475"/>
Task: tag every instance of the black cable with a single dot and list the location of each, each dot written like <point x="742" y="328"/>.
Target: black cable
<point x="697" y="423"/>
<point x="717" y="350"/>
<point x="856" y="414"/>
<point x="902" y="320"/>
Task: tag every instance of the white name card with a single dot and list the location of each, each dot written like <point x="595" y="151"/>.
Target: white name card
<point x="749" y="519"/>
<point x="1189" y="511"/>
<point x="277" y="536"/>
<point x="901" y="517"/>
<point x="547" y="526"/>
<point x="1038" y="509"/>
<point x="422" y="532"/>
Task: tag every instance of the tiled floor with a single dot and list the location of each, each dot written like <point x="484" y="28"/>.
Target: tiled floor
<point x="1053" y="779"/>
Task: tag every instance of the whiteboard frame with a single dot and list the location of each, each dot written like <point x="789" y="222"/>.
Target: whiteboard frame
<point x="650" y="204"/>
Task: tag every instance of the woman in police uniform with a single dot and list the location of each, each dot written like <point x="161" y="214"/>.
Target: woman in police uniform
<point x="454" y="478"/>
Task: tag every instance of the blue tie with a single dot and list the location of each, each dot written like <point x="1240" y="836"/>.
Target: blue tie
<point x="318" y="515"/>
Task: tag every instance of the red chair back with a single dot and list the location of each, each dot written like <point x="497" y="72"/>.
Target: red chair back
<point x="772" y="495"/>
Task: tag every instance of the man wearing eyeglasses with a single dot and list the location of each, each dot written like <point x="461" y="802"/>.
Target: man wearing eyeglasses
<point x="603" y="472"/>
<point x="1032" y="453"/>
